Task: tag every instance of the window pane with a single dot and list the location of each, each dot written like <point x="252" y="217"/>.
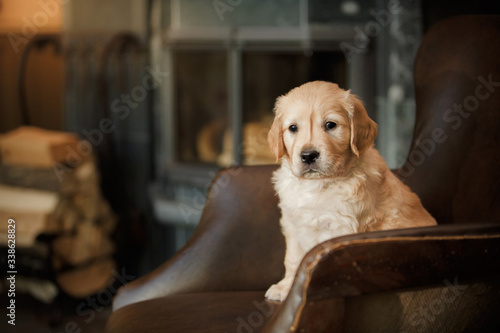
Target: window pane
<point x="200" y="104"/>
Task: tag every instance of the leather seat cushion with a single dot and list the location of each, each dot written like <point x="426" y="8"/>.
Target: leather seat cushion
<point x="201" y="312"/>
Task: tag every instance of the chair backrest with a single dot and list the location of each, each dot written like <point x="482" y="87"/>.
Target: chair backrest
<point x="454" y="160"/>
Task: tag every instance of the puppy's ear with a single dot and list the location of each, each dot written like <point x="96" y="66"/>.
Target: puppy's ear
<point x="275" y="135"/>
<point x="363" y="129"/>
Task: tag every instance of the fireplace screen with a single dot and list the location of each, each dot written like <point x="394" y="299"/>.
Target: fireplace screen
<point x="201" y="100"/>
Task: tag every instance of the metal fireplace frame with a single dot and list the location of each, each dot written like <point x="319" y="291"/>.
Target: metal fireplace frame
<point x="165" y="41"/>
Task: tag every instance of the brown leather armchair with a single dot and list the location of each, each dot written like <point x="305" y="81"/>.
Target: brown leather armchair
<point x="436" y="279"/>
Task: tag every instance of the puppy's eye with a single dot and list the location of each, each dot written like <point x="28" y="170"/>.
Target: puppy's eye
<point x="330" y="125"/>
<point x="293" y="128"/>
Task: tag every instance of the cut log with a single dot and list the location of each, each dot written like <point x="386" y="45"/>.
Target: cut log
<point x="84" y="281"/>
<point x="38" y="178"/>
<point x="87" y="205"/>
<point x="33" y="211"/>
<point x="88" y="243"/>
<point x="47" y="188"/>
<point x="32" y="146"/>
<point x="107" y="221"/>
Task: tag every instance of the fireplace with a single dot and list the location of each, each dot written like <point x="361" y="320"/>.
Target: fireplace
<point x="227" y="62"/>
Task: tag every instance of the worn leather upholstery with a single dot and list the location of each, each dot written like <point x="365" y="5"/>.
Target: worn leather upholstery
<point x="456" y="177"/>
<point x="237" y="245"/>
<point x="444" y="278"/>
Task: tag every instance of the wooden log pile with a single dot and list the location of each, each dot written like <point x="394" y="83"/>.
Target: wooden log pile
<point x="54" y="197"/>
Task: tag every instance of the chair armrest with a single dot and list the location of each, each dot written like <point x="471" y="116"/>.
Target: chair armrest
<point x="237" y="245"/>
<point x="390" y="260"/>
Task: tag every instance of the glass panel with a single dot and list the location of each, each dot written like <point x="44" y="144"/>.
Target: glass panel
<point x="201" y="100"/>
<point x="200" y="104"/>
<point x="335" y="11"/>
<point x="196" y="13"/>
<point x="267" y="75"/>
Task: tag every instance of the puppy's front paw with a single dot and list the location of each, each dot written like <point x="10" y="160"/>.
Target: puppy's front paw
<point x="279" y="291"/>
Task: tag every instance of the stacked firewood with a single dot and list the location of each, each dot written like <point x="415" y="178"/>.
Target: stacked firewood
<point x="49" y="184"/>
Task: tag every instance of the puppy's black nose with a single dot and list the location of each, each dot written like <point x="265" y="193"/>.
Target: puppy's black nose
<point x="309" y="157"/>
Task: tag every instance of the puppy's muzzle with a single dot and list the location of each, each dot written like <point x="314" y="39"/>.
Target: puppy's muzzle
<point x="309" y="157"/>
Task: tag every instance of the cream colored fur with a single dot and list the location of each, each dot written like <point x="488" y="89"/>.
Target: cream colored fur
<point x="348" y="189"/>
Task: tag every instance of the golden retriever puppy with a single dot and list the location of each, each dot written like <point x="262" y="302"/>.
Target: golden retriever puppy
<point x="332" y="182"/>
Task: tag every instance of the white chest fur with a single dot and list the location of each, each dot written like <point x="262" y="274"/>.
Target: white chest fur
<point x="318" y="209"/>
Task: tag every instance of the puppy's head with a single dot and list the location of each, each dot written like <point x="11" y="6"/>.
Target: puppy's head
<point x="320" y="130"/>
